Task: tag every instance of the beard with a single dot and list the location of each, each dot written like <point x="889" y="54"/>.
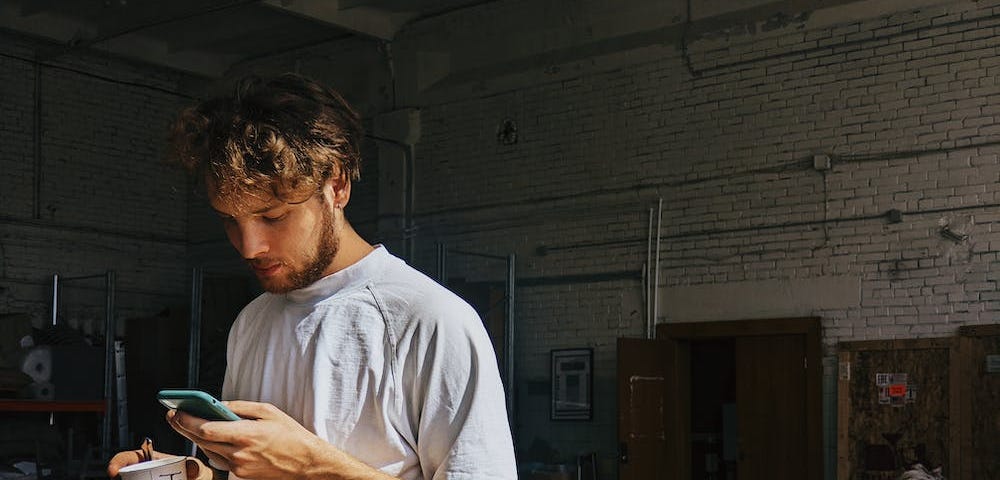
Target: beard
<point x="314" y="267"/>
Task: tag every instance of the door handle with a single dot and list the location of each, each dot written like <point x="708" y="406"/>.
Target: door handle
<point x="622" y="452"/>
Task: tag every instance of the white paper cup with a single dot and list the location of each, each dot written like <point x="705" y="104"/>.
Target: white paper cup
<point x="163" y="469"/>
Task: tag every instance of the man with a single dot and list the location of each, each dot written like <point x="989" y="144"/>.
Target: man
<point x="352" y="364"/>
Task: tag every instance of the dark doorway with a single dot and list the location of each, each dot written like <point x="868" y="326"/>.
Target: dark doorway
<point x="713" y="401"/>
<point x="738" y="400"/>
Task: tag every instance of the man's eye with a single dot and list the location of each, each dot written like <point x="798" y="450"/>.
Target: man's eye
<point x="275" y="219"/>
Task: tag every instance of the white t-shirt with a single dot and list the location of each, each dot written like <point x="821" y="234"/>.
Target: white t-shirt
<point x="383" y="363"/>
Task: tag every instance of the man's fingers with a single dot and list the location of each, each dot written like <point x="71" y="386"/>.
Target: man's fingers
<point x="252" y="410"/>
<point x="215" y="438"/>
<point x="196" y="470"/>
<point x="204" y="432"/>
<point x="122" y="460"/>
<point x="192" y="427"/>
<point x="174" y="420"/>
<point x="130" y="457"/>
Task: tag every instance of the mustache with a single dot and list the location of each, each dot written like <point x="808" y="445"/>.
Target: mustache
<point x="264" y="262"/>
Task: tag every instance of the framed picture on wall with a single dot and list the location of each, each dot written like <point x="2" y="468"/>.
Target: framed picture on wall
<point x="572" y="384"/>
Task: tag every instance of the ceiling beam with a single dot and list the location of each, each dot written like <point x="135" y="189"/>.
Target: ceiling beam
<point x="390" y="5"/>
<point x="56" y="28"/>
<point x="156" y="52"/>
<point x="36" y="7"/>
<point x="369" y="22"/>
<point x="133" y="47"/>
<point x="424" y="7"/>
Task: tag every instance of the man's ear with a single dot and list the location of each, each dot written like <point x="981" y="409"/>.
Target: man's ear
<point x="340" y="190"/>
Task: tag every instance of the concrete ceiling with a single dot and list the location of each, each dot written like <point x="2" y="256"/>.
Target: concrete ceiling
<point x="207" y="37"/>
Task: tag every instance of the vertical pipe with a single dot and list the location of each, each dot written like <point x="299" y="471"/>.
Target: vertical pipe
<point x="648" y="284"/>
<point x="409" y="195"/>
<point x="194" y="328"/>
<point x="656" y="267"/>
<point x="442" y="264"/>
<point x="37" y="177"/>
<point x="55" y="313"/>
<point x="110" y="331"/>
<point x="509" y="343"/>
<point x="121" y="400"/>
<point x="408" y="211"/>
<point x="194" y="341"/>
<point x="55" y="298"/>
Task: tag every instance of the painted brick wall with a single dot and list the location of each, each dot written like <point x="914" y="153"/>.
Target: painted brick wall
<point x="98" y="197"/>
<point x="904" y="104"/>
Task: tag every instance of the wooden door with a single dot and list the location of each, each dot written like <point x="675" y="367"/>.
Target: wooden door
<point x="771" y="407"/>
<point x="976" y="393"/>
<point x="647" y="404"/>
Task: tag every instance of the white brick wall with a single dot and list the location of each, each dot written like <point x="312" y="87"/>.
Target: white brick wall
<point x="106" y="200"/>
<point x="904" y="104"/>
<point x="16" y="132"/>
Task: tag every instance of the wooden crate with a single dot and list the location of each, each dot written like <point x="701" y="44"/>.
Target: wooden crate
<point x="877" y="440"/>
<point x="979" y="403"/>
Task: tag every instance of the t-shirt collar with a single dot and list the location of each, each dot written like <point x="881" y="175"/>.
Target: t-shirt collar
<point x="356" y="274"/>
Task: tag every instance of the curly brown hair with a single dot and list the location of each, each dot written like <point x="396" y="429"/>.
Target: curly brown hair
<point x="284" y="136"/>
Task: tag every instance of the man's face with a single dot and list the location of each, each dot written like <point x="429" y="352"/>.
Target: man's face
<point x="288" y="246"/>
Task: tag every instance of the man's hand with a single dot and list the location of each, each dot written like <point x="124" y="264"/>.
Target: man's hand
<point x="268" y="445"/>
<point x="195" y="469"/>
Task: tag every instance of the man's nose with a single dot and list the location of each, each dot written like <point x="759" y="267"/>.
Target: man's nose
<point x="252" y="241"/>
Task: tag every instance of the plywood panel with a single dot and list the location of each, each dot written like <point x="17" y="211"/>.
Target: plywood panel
<point x="885" y="432"/>
<point x="981" y="401"/>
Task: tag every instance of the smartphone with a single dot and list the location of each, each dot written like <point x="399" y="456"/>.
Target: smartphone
<point x="197" y="403"/>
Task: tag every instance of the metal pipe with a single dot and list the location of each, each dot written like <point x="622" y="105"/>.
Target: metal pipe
<point x="102" y="231"/>
<point x="656" y="272"/>
<point x="194" y="333"/>
<point x="85" y="277"/>
<point x="577" y="279"/>
<point x="110" y="331"/>
<point x="194" y="341"/>
<point x="442" y="263"/>
<point x="648" y="277"/>
<point x="55" y="298"/>
<point x="509" y="342"/>
<point x="409" y="181"/>
<point x="37" y="138"/>
<point x="482" y="255"/>
<point x="121" y="399"/>
<point x="409" y="233"/>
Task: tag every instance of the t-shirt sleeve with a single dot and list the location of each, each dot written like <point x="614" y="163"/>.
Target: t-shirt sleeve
<point x="462" y="427"/>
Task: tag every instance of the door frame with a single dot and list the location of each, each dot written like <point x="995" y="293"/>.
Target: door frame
<point x="682" y="334"/>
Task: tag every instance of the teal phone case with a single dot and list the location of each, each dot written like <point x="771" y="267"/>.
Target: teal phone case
<point x="197" y="403"/>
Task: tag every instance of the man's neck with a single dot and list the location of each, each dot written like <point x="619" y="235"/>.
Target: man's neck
<point x="352" y="249"/>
